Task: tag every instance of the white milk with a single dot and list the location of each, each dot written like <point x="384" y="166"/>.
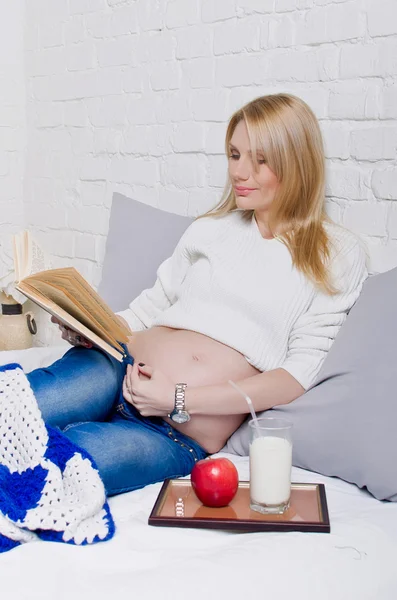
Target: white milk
<point x="270" y="470"/>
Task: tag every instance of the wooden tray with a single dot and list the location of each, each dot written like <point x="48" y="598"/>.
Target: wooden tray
<point x="178" y="506"/>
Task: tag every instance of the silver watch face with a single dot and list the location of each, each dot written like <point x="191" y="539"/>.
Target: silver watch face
<point x="180" y="417"/>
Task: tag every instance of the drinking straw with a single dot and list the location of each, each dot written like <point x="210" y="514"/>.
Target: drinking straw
<point x="250" y="405"/>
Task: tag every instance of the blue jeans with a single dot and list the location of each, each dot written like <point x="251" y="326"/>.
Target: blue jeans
<point x="81" y="394"/>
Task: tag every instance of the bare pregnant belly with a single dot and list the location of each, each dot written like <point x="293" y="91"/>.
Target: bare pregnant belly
<point x="195" y="359"/>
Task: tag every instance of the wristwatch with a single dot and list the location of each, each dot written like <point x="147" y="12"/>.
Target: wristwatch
<point x="180" y="414"/>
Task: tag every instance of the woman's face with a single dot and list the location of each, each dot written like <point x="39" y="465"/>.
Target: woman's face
<point x="255" y="190"/>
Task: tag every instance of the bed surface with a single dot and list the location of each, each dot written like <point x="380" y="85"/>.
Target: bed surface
<point x="358" y="559"/>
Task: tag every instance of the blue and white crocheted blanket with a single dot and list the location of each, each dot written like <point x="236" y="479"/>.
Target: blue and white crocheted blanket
<point x="50" y="489"/>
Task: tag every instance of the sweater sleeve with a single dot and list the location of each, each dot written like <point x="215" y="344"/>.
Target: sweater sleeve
<point x="151" y="302"/>
<point x="315" y="330"/>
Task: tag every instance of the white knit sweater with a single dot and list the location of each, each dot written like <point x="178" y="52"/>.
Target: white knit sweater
<point x="226" y="281"/>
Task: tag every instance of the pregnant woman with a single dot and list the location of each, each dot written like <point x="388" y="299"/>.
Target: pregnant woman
<point x="255" y="291"/>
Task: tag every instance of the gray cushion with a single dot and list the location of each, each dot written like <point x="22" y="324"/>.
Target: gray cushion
<point x="346" y="425"/>
<point x="140" y="237"/>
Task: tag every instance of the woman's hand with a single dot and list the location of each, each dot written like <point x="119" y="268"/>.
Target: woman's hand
<point x="71" y="336"/>
<point x="148" y="390"/>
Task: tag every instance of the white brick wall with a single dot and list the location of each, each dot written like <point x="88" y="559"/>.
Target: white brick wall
<point x="12" y="128"/>
<point x="134" y="95"/>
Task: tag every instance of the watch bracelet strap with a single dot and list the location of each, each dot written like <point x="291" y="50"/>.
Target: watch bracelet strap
<point x="179" y="398"/>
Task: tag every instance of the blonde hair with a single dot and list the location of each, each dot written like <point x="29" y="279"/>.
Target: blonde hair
<point x="286" y="131"/>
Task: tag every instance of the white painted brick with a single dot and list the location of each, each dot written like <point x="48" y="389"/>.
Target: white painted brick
<point x="217" y="171"/>
<point x="59" y="242"/>
<point x="114" y="52"/>
<point x="200" y="72"/>
<point x="49" y="114"/>
<point x="193" y="42"/>
<point x="375" y="59"/>
<point x="336" y="140"/>
<point x="94" y="168"/>
<point x="123" y="21"/>
<point x="75" y="114"/>
<point x="108" y="111"/>
<point x="107" y="141"/>
<point x="82" y="141"/>
<point x="85" y="246"/>
<point x="332" y="23"/>
<point x="74" y="30"/>
<point x="154" y="46"/>
<point x="50" y="32"/>
<point x="173" y="106"/>
<point x="98" y="25"/>
<point x="44" y="215"/>
<point x="52" y="139"/>
<point x="135" y="79"/>
<point x="133" y="170"/>
<point x="9" y="90"/>
<point x="202" y="200"/>
<point x="236" y="36"/>
<point x="334" y="209"/>
<point x="304" y="65"/>
<point x="141" y="111"/>
<point x="384" y="183"/>
<point x="215" y="138"/>
<point x="62" y="166"/>
<point x="116" y="2"/>
<point x="91" y="219"/>
<point x="50" y="8"/>
<point x="92" y="193"/>
<point x="209" y="105"/>
<point x="382" y="254"/>
<point x="392" y="221"/>
<point x="45" y="62"/>
<point x="108" y="81"/>
<point x="30" y="34"/>
<point x="100" y="248"/>
<point x="388" y="108"/>
<point x="249" y="7"/>
<point x="217" y="11"/>
<point x="354" y="100"/>
<point x="165" y="76"/>
<point x="188" y="137"/>
<point x="362" y="217"/>
<point x="183" y="170"/>
<point x="244" y="69"/>
<point x="79" y="7"/>
<point x="180" y="13"/>
<point x="345" y="182"/>
<point x="281" y="32"/>
<point x="290" y="5"/>
<point x="382" y="17"/>
<point x="173" y="200"/>
<point x="81" y="56"/>
<point x="375" y="143"/>
<point x="4" y="163"/>
<point x="151" y="14"/>
<point x="140" y="139"/>
<point x="12" y="139"/>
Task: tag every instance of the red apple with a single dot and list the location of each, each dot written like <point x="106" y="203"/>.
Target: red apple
<point x="215" y="481"/>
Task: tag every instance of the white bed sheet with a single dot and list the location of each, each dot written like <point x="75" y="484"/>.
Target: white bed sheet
<point x="358" y="559"/>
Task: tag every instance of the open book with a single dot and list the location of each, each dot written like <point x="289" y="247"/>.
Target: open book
<point x="66" y="295"/>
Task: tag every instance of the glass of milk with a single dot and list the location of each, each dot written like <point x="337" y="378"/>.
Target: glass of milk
<point x="270" y="465"/>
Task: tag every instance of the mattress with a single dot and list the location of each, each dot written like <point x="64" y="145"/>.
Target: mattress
<point x="358" y="559"/>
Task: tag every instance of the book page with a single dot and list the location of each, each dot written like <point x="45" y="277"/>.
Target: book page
<point x="56" y="311"/>
<point x="76" y="287"/>
<point x="68" y="303"/>
<point x="29" y="257"/>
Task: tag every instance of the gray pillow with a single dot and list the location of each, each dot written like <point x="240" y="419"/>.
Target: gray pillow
<point x="346" y="424"/>
<point x="140" y="238"/>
